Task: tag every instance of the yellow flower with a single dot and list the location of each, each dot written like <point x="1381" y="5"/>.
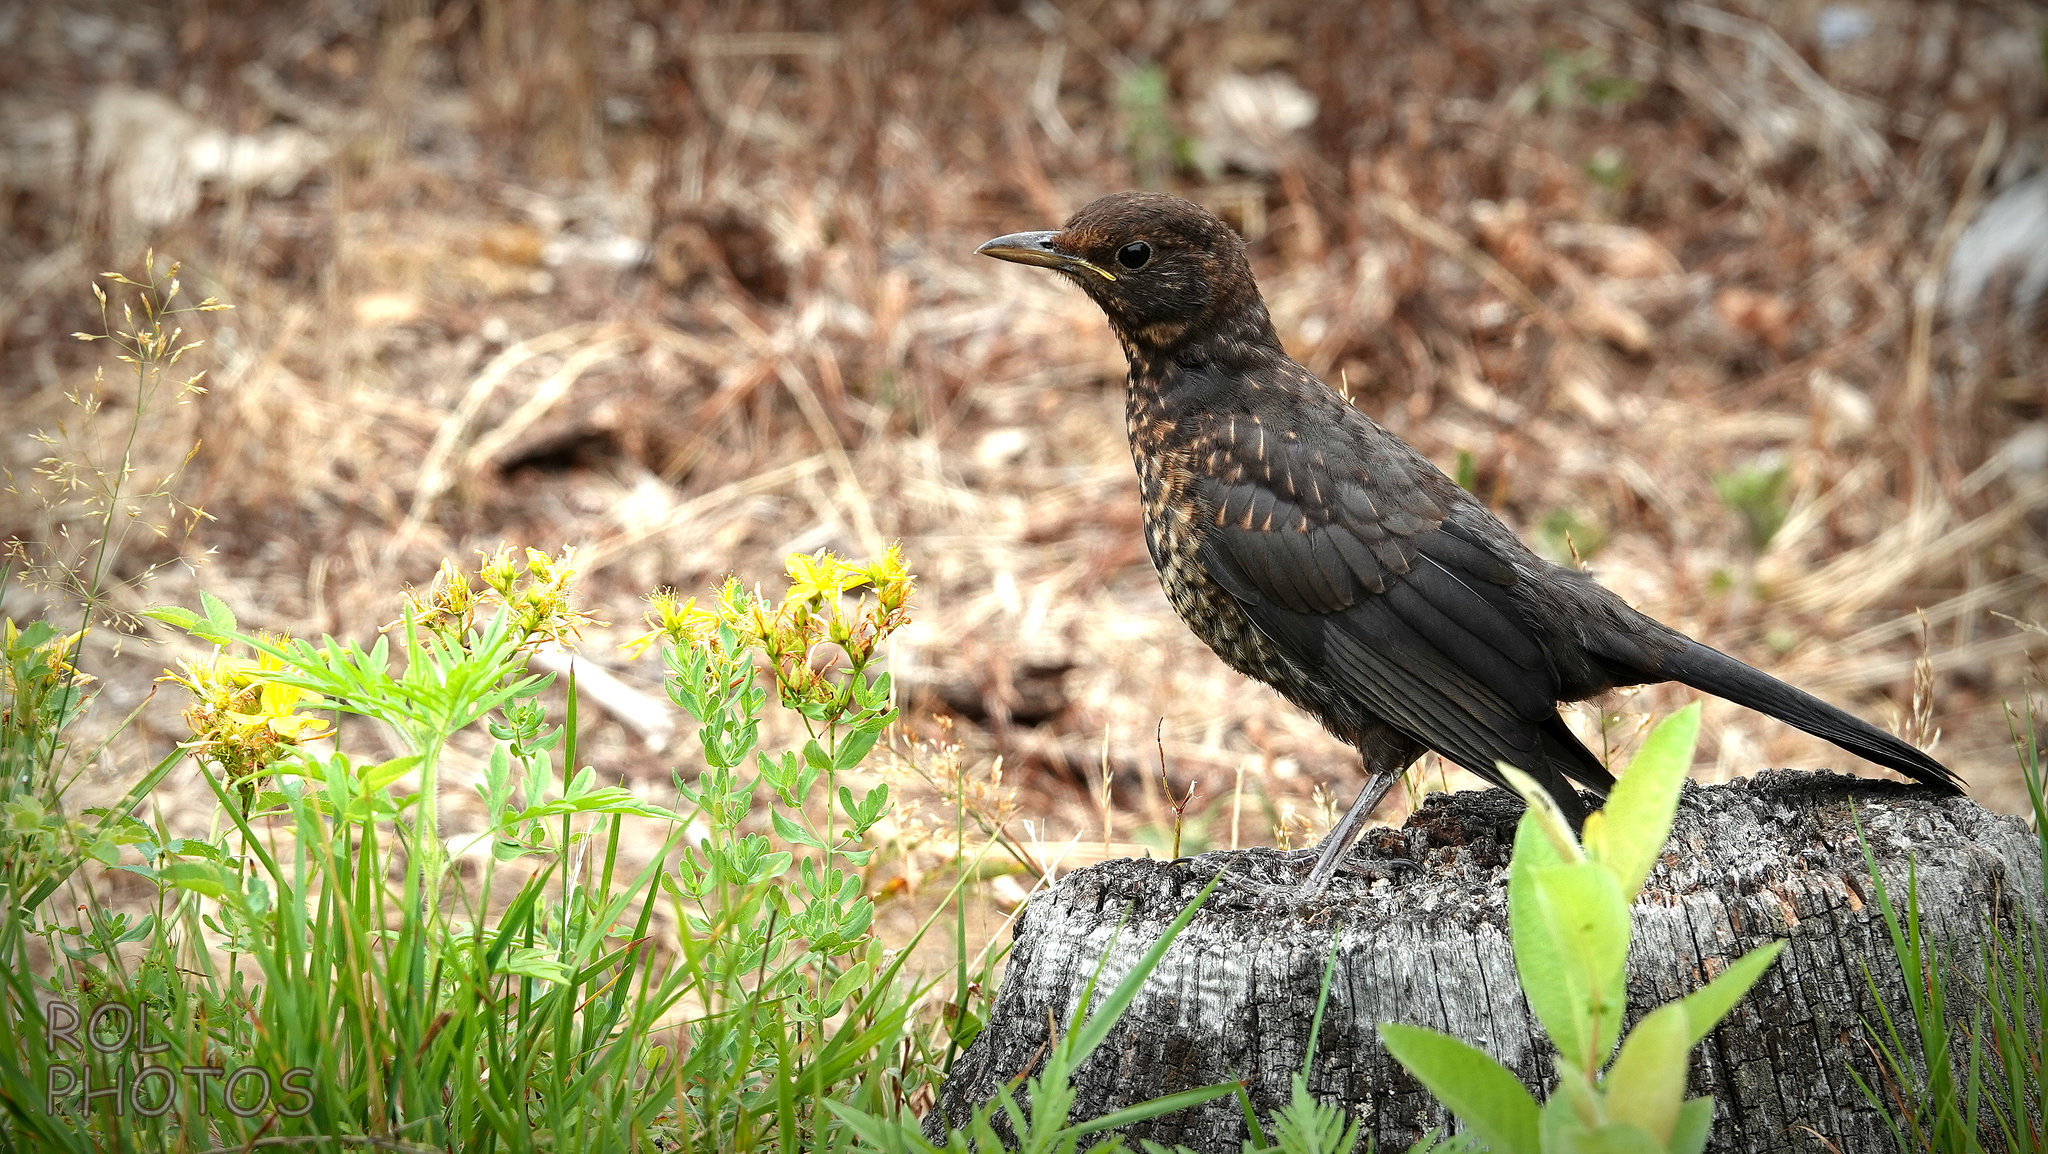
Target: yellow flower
<point x="242" y="718"/>
<point x="542" y="606"/>
<point x="53" y="667"/>
<point x="678" y="621"/>
<point x="821" y="576"/>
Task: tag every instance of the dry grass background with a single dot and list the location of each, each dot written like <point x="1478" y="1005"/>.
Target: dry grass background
<point x="690" y="287"/>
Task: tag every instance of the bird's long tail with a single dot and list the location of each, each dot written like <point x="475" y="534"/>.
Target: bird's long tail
<point x="1723" y="676"/>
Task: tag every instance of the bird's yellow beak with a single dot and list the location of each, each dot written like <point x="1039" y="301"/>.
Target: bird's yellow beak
<point x="1036" y="248"/>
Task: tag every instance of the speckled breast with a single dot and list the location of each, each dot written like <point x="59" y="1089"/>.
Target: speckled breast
<point x="1172" y="537"/>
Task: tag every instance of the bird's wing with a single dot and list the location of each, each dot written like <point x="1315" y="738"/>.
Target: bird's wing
<point x="1354" y="570"/>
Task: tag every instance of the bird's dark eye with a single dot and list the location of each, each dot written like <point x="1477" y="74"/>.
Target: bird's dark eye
<point x="1134" y="255"/>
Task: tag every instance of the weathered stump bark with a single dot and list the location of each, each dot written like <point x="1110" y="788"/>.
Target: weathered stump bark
<point x="1772" y="857"/>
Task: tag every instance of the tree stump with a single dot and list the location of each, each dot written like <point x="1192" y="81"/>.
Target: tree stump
<point x="1772" y="857"/>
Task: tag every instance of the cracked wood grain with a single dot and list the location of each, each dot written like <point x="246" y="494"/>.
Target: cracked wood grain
<point x="1772" y="857"/>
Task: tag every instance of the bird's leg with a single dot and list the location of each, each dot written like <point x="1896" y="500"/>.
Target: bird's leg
<point x="1346" y="831"/>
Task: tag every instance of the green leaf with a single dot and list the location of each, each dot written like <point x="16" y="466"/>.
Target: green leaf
<point x="1078" y="1044"/>
<point x="1560" y="1127"/>
<point x="198" y="877"/>
<point x="790" y="831"/>
<point x="1151" y="1108"/>
<point x="855" y="746"/>
<point x="1585" y="913"/>
<point x="376" y="777"/>
<point x="1483" y="1094"/>
<point x="1646" y="1084"/>
<point x="873" y="806"/>
<point x="1308" y="1126"/>
<point x="540" y="962"/>
<point x="1695" y="1125"/>
<point x="1706" y="1006"/>
<point x="218" y="615"/>
<point x="1571" y="932"/>
<point x="881" y="1134"/>
<point x="1543" y="811"/>
<point x="1617" y="1138"/>
<point x="844" y="986"/>
<point x="1629" y="832"/>
<point x="175" y="616"/>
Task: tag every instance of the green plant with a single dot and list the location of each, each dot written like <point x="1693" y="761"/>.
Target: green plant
<point x="96" y="506"/>
<point x="1569" y="538"/>
<point x="1568" y="908"/>
<point x="96" y="491"/>
<point x="1144" y="98"/>
<point x="1572" y="78"/>
<point x="1761" y="494"/>
<point x="1036" y="1107"/>
<point x="2005" y="1066"/>
<point x="1039" y="1124"/>
<point x="332" y="943"/>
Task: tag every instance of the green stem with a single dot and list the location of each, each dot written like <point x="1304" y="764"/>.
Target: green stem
<point x="427" y="828"/>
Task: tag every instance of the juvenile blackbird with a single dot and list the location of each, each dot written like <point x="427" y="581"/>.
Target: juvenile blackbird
<point x="1319" y="553"/>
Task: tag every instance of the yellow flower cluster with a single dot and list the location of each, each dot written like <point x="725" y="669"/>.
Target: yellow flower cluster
<point x="40" y="690"/>
<point x="51" y="662"/>
<point x="243" y="719"/>
<point x="793" y="632"/>
<point x="538" y="594"/>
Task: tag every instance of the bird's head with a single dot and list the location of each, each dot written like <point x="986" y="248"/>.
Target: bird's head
<point x="1163" y="269"/>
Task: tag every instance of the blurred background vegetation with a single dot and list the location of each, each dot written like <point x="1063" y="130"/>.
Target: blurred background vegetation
<point x="1740" y="305"/>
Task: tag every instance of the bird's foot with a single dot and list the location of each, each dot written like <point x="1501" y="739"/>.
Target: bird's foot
<point x="1348" y="864"/>
<point x="1281" y="878"/>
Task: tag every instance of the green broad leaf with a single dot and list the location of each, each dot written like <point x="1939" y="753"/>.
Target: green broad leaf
<point x="175" y="616"/>
<point x="1575" y="1094"/>
<point x="1615" y="1138"/>
<point x="1589" y="919"/>
<point x="1571" y="931"/>
<point x="1695" y="1125"/>
<point x="192" y="847"/>
<point x="1483" y="1094"/>
<point x="790" y="831"/>
<point x="375" y="778"/>
<point x="584" y="781"/>
<point x="815" y="755"/>
<point x="855" y="746"/>
<point x="1543" y="812"/>
<point x="198" y="877"/>
<point x="776" y="771"/>
<point x="1561" y="1128"/>
<point x="844" y="986"/>
<point x="1629" y="832"/>
<point x="1706" y="1006"/>
<point x="1646" y="1085"/>
<point x="218" y="615"/>
<point x="874" y="805"/>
